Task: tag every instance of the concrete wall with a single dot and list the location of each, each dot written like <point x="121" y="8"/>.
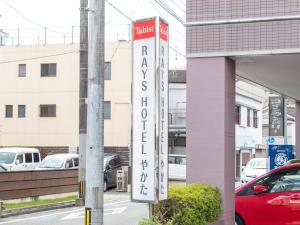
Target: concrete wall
<point x="34" y="90"/>
<point x="118" y="91"/>
<point x="62" y="90"/>
<point x="248" y="96"/>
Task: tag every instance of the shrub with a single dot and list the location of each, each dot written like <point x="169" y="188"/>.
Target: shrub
<point x="188" y="205"/>
<point x="147" y="222"/>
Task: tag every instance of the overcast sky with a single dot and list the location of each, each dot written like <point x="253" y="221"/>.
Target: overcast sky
<point x="60" y="15"/>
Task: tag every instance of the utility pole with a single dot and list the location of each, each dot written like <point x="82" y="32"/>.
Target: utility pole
<point x="95" y="112"/>
<point x="83" y="58"/>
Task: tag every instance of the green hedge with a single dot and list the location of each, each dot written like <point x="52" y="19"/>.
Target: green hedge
<point x="188" y="205"/>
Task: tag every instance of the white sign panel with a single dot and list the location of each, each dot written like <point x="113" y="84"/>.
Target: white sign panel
<point x="163" y="109"/>
<point x="143" y="135"/>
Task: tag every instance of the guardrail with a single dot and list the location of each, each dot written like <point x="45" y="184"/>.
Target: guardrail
<point x="24" y="184"/>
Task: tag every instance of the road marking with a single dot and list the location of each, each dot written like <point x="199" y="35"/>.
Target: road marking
<point x="78" y="215"/>
<point x="60" y="213"/>
<point x="115" y="211"/>
<point x="39" y="217"/>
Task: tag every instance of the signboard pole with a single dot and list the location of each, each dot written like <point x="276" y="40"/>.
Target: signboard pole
<point x="150" y="102"/>
<point x="163" y="96"/>
<point x="143" y="118"/>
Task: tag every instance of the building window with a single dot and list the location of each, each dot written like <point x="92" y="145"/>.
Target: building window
<point x="248" y="117"/>
<point x="21" y="111"/>
<point x="8" y="111"/>
<point x="255" y="119"/>
<point x="238" y="114"/>
<point x="47" y="110"/>
<point x="107" y="71"/>
<point x="107" y="110"/>
<point x="48" y="70"/>
<point x="22" y="70"/>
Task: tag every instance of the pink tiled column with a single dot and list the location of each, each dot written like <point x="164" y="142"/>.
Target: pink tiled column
<point x="297" y="149"/>
<point x="211" y="127"/>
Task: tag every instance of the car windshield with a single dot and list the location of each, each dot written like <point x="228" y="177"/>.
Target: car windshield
<point x="7" y="157"/>
<point x="260" y="164"/>
<point x="52" y="162"/>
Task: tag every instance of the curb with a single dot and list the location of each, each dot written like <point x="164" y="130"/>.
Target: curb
<point x="33" y="209"/>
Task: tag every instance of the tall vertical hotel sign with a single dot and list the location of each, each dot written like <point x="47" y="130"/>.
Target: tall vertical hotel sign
<point x="150" y="111"/>
<point x="163" y="109"/>
<point x="143" y="121"/>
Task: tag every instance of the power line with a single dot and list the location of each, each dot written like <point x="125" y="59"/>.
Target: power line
<point x="119" y="10"/>
<point x="157" y="10"/>
<point x="39" y="57"/>
<point x="27" y="19"/>
<point x="175" y="3"/>
<point x="52" y="55"/>
<point x="109" y="21"/>
<point x="175" y="50"/>
<point x="132" y="21"/>
<point x="181" y="1"/>
<point x="167" y="8"/>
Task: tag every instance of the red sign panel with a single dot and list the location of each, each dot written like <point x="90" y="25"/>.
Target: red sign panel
<point x="144" y="29"/>
<point x="163" y="30"/>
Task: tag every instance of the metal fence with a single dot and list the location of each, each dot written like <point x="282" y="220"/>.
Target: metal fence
<point x="57" y="35"/>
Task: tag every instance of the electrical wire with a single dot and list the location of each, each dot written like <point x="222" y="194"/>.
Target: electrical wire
<point x="175" y="50"/>
<point x="29" y="20"/>
<point x="167" y="8"/>
<point x="109" y="21"/>
<point x="157" y="10"/>
<point x="119" y="10"/>
<point x="113" y="55"/>
<point x="181" y="1"/>
<point x="178" y="6"/>
<point x="39" y="57"/>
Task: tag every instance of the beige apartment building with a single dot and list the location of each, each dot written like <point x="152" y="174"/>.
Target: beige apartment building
<point x="39" y="97"/>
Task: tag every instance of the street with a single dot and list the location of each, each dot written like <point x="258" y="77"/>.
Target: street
<point x="115" y="210"/>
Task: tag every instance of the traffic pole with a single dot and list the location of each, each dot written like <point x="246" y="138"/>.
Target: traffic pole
<point x="95" y="150"/>
<point x="83" y="58"/>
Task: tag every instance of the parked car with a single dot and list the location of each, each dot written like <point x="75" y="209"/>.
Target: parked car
<point x="177" y="167"/>
<point x="59" y="161"/>
<point x="112" y="163"/>
<point x="14" y="159"/>
<point x="271" y="199"/>
<point x="254" y="168"/>
<point x="2" y="169"/>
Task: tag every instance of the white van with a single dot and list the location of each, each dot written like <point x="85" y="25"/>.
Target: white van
<point x="59" y="161"/>
<point x="177" y="167"/>
<point x="254" y="168"/>
<point x="18" y="158"/>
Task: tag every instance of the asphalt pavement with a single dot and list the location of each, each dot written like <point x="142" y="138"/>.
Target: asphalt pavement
<point x="118" y="209"/>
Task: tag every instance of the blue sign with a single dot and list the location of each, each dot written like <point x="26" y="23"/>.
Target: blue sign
<point x="279" y="155"/>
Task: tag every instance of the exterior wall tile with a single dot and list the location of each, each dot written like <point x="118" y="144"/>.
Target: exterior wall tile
<point x="202" y="10"/>
<point x="244" y="37"/>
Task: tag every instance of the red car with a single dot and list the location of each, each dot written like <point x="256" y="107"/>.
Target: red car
<point x="271" y="199"/>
